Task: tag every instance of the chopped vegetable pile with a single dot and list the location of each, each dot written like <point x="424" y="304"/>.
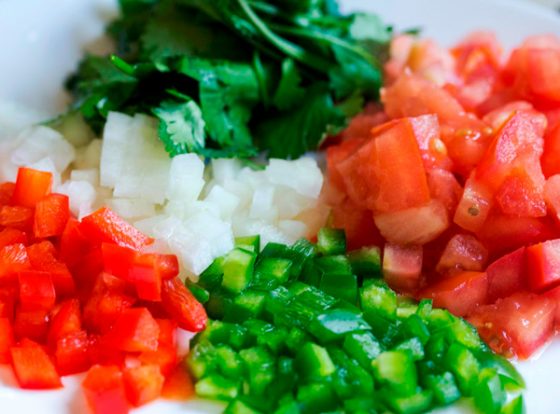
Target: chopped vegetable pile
<point x="232" y="77"/>
<point x="458" y="177"/>
<point x="309" y="329"/>
<point x="86" y="296"/>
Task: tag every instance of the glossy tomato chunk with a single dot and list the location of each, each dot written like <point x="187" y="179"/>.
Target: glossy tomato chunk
<point x="462" y="252"/>
<point x="507" y="275"/>
<point x="402" y="266"/>
<point x="543" y="265"/>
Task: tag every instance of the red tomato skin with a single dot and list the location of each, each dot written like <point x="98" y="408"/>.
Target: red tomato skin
<point x="72" y="353"/>
<point x="104" y="390"/>
<point x="134" y="330"/>
<point x="6" y="340"/>
<point x="543" y="265"/>
<point x="17" y="217"/>
<point x="550" y="159"/>
<point x="521" y="194"/>
<point x="182" y="306"/>
<point x="507" y="275"/>
<point x="460" y="293"/>
<point x="517" y="325"/>
<point x="10" y="236"/>
<point x="51" y="215"/>
<point x="31" y="186"/>
<point x="104" y="225"/>
<point x="463" y="252"/>
<point x="36" y="290"/>
<point x="402" y="266"/>
<point x="143" y="384"/>
<point x="33" y="368"/>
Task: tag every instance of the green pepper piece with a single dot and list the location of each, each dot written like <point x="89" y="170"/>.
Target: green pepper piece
<point x="443" y="387"/>
<point x="415" y="327"/>
<point x="397" y="370"/>
<point x="515" y="406"/>
<point x="413" y="346"/>
<point x="424" y="309"/>
<point x="211" y="278"/>
<point x="277" y="301"/>
<point x="248" y="304"/>
<point x="344" y="287"/>
<point x="377" y="299"/>
<point x="201" y="294"/>
<point x="316" y="397"/>
<point x="464" y="365"/>
<point x="488" y="359"/>
<point x="311" y="274"/>
<point x="218" y="332"/>
<point x="296" y="338"/>
<point x="335" y="323"/>
<point x="464" y="333"/>
<point x="360" y="405"/>
<point x="313" y="361"/>
<point x="261" y="369"/>
<point x="228" y="362"/>
<point x="417" y="403"/>
<point x="271" y="272"/>
<point x="201" y="361"/>
<point x="217" y="387"/>
<point x="489" y="395"/>
<point x="366" y="262"/>
<point x="350" y="379"/>
<point x="363" y="346"/>
<point x="239" y="407"/>
<point x="312" y="297"/>
<point x="334" y="265"/>
<point x="331" y="241"/>
<point x="218" y="304"/>
<point x="249" y="243"/>
<point x="288" y="406"/>
<point x="238" y="269"/>
<point x="297" y="254"/>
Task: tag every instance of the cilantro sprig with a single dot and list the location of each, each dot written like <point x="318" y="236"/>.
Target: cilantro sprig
<point x="235" y="77"/>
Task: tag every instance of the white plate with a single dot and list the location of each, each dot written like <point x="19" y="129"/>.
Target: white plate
<point x="41" y="41"/>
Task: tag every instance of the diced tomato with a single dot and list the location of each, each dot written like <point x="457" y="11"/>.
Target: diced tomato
<point x="554" y="295"/>
<point x="417" y="225"/>
<point x="143" y="384"/>
<point x="33" y="368"/>
<point x="36" y="290"/>
<point x="66" y="320"/>
<point x="17" y="217"/>
<point x="13" y="259"/>
<point x="32" y="324"/>
<point x="165" y="357"/>
<point x="402" y="266"/>
<point x="6" y="193"/>
<point x="178" y="385"/>
<point x="550" y="159"/>
<point x="499" y="116"/>
<point x="6" y="340"/>
<point x="104" y="390"/>
<point x="51" y="215"/>
<point x="106" y="226"/>
<point x="12" y="236"/>
<point x="521" y="194"/>
<point x="135" y="330"/>
<point x="387" y="174"/>
<point x="432" y="148"/>
<point x="460" y="293"/>
<point x="543" y="265"/>
<point x="507" y="275"/>
<point x="182" y="306"/>
<point x="552" y="196"/>
<point x="474" y="206"/>
<point x="517" y="325"/>
<point x="338" y="153"/>
<point x="72" y="353"/>
<point x="463" y="252"/>
<point x="31" y="186"/>
<point x="445" y="188"/>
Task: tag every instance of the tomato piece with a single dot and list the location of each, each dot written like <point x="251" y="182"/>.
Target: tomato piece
<point x="42" y="258"/>
<point x="337" y="154"/>
<point x="6" y="340"/>
<point x="66" y="320"/>
<point x="135" y="330"/>
<point x="432" y="148"/>
<point x="507" y="275"/>
<point x="104" y="390"/>
<point x="182" y="306"/>
<point x="550" y="159"/>
<point x="462" y="252"/>
<point x="31" y="324"/>
<point x="402" y="266"/>
<point x="178" y="385"/>
<point x="165" y="357"/>
<point x="51" y="215"/>
<point x="17" y="217"/>
<point x="544" y="73"/>
<point x="460" y="293"/>
<point x="13" y="259"/>
<point x="143" y="384"/>
<point x="517" y="325"/>
<point x="474" y="206"/>
<point x="417" y="225"/>
<point x="543" y="265"/>
<point x="6" y="193"/>
<point x="552" y="196"/>
<point x="357" y="223"/>
<point x="387" y="174"/>
<point x="445" y="188"/>
<point x="521" y="194"/>
<point x="33" y="368"/>
<point x="36" y="290"/>
<point x="72" y="353"/>
<point x="105" y="226"/>
<point x="31" y="186"/>
<point x="10" y="236"/>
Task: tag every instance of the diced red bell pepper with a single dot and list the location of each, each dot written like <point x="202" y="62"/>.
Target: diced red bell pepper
<point x="33" y="368"/>
<point x="167" y="331"/>
<point x="12" y="236"/>
<point x="165" y="357"/>
<point x="143" y="384"/>
<point x="135" y="330"/>
<point x="51" y="215"/>
<point x="100" y="352"/>
<point x="8" y="298"/>
<point x="543" y="265"/>
<point x="104" y="390"/>
<point x="72" y="353"/>
<point x="6" y="193"/>
<point x="17" y="217"/>
<point x="31" y="186"/>
<point x="507" y="275"/>
<point x="182" y="306"/>
<point x="66" y="320"/>
<point x="74" y="244"/>
<point x="13" y="259"/>
<point x="402" y="266"/>
<point x="178" y="385"/>
<point x="463" y="252"/>
<point x="32" y="324"/>
<point x="105" y="226"/>
<point x="42" y="257"/>
<point x="36" y="290"/>
<point x="460" y="293"/>
<point x="6" y="340"/>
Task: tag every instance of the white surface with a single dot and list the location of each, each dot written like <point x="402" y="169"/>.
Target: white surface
<point x="40" y="42"/>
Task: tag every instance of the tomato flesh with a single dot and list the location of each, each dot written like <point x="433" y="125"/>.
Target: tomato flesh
<point x="402" y="266"/>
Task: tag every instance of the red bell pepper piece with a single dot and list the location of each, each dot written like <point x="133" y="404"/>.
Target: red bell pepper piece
<point x="104" y="225"/>
<point x="12" y="236"/>
<point x="178" y="385"/>
<point x="143" y="384"/>
<point x="6" y="193"/>
<point x="100" y="352"/>
<point x="72" y="353"/>
<point x="165" y="357"/>
<point x="543" y="265"/>
<point x="51" y="215"/>
<point x="16" y="217"/>
<point x="13" y="259"/>
<point x="104" y="390"/>
<point x="6" y="340"/>
<point x="36" y="290"/>
<point x="74" y="244"/>
<point x="182" y="306"/>
<point x="167" y="331"/>
<point x="32" y="324"/>
<point x="66" y="320"/>
<point x="31" y="186"/>
<point x="42" y="257"/>
<point x="135" y="330"/>
<point x="33" y="367"/>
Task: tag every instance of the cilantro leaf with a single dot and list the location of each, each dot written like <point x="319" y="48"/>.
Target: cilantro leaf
<point x="289" y="89"/>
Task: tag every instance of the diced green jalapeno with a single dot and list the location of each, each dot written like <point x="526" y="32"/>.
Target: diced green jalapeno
<point x="366" y="262"/>
<point x="363" y="347"/>
<point x="335" y="323"/>
<point x="413" y="346"/>
<point x="211" y="278"/>
<point x="414" y="404"/>
<point x="239" y="407"/>
<point x="397" y="370"/>
<point x="217" y="387"/>
<point x="313" y="361"/>
<point x="271" y="272"/>
<point x="464" y="366"/>
<point x="316" y="398"/>
<point x="238" y="269"/>
<point x="248" y="304"/>
<point x="443" y="387"/>
<point x="489" y="395"/>
<point x="331" y="241"/>
<point x="343" y="287"/>
<point x="201" y="294"/>
<point x="250" y="243"/>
